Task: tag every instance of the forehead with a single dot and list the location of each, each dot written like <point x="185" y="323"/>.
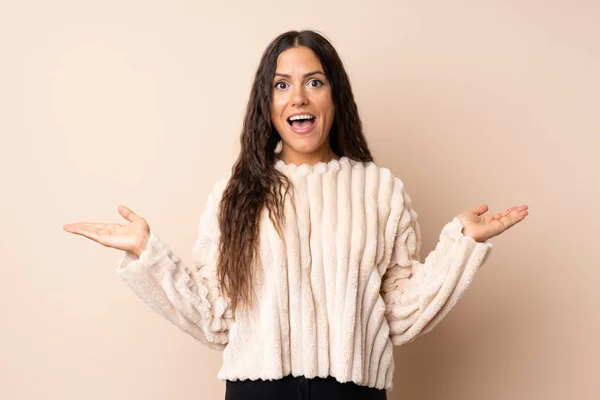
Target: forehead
<point x="297" y="61"/>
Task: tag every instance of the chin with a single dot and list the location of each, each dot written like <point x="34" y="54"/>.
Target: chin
<point x="306" y="148"/>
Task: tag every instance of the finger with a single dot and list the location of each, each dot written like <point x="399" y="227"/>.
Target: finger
<point x="522" y="214"/>
<point x="504" y="213"/>
<point x="127" y="213"/>
<point x="88" y="232"/>
<point x="511" y="219"/>
<point x="517" y="212"/>
<point x="96" y="225"/>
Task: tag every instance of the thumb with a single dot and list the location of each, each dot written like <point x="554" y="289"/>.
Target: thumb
<point x="480" y="209"/>
<point x="127" y="213"/>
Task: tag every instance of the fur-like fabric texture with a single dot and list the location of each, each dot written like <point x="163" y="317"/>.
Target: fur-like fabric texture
<point x="332" y="299"/>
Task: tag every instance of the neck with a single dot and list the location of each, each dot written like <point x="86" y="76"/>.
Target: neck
<point x="291" y="157"/>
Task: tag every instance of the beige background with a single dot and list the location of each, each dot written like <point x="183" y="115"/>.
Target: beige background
<point x="141" y="103"/>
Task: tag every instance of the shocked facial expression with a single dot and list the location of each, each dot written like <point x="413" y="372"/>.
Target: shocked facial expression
<point x="302" y="109"/>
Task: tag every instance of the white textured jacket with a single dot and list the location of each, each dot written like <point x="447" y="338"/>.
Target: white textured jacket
<point x="332" y="299"/>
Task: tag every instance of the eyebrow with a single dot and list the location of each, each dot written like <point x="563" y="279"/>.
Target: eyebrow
<point x="305" y="75"/>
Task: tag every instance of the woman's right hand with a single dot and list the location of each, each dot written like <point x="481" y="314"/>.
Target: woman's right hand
<point x="132" y="237"/>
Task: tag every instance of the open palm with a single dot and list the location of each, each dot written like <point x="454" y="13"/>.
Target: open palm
<point x="483" y="227"/>
<point x="132" y="236"/>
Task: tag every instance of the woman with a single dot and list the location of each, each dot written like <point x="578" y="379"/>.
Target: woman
<point x="306" y="268"/>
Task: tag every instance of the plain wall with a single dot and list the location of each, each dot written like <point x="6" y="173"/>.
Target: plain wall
<point x="141" y="102"/>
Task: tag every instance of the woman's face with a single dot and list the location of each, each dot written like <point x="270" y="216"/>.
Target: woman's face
<point x="302" y="110"/>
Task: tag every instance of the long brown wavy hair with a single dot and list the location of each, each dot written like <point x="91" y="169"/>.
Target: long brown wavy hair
<point x="255" y="183"/>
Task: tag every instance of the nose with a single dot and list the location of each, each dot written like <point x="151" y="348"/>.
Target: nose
<point x="299" y="98"/>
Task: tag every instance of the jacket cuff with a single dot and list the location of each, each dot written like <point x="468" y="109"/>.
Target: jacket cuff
<point x="453" y="229"/>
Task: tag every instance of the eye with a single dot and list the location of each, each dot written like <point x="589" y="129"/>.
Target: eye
<point x="279" y="84"/>
<point x="315" y="83"/>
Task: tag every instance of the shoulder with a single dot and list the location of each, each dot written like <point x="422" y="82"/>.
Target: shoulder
<point x="382" y="175"/>
<point x="218" y="186"/>
<point x="389" y="189"/>
<point x="213" y="199"/>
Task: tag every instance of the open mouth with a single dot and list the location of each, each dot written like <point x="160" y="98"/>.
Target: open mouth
<point x="301" y="123"/>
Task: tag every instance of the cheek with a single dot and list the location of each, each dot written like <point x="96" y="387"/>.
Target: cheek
<point x="326" y="105"/>
<point x="329" y="112"/>
<point x="278" y="105"/>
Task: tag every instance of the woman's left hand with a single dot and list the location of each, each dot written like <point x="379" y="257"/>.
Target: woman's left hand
<point x="483" y="227"/>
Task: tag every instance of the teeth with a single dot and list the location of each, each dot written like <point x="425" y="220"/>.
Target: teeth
<point x="297" y="117"/>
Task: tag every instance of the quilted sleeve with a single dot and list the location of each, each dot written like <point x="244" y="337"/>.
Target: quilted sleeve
<point x="188" y="297"/>
<point x="418" y="295"/>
